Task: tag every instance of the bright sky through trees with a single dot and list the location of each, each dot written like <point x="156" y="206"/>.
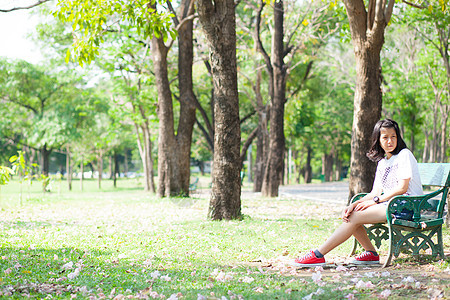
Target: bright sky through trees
<point x="15" y="26"/>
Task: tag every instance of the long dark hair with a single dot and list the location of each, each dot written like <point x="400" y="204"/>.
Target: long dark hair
<point x="376" y="153"/>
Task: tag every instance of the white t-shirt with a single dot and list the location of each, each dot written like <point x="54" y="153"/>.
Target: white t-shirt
<point x="400" y="166"/>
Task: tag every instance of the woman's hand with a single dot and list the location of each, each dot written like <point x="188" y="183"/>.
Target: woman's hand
<point x="357" y="206"/>
<point x="364" y="205"/>
<point x="347" y="212"/>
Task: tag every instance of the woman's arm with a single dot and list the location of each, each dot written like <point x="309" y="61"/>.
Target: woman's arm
<point x="401" y="189"/>
<point x="367" y="198"/>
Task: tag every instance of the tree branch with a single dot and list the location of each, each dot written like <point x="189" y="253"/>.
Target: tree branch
<point x="388" y="11"/>
<point x="205" y="133"/>
<point x="188" y="18"/>
<point x="27" y="106"/>
<point x="414" y="5"/>
<point x="259" y="45"/>
<point x="247" y="144"/>
<point x="300" y="86"/>
<point x="175" y="18"/>
<point x="247" y="116"/>
<point x="371" y="13"/>
<point x="24" y="7"/>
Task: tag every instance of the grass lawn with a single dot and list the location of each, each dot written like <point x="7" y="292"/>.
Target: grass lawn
<point x="124" y="243"/>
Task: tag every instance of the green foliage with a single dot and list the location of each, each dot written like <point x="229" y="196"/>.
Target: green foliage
<point x="90" y="21"/>
<point x="5" y="174"/>
<point x="21" y="167"/>
<point x="46" y="182"/>
<point x="43" y="104"/>
<point x="24" y="170"/>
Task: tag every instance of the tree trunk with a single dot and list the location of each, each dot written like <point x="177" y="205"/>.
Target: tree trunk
<point x="166" y="137"/>
<point x="426" y="147"/>
<point x="150" y="182"/>
<point x="187" y="97"/>
<point x="445" y="108"/>
<point x="274" y="165"/>
<point x="367" y="31"/>
<point x="116" y="169"/>
<point x="100" y="168"/>
<point x="174" y="151"/>
<point x="125" y="163"/>
<point x="45" y="153"/>
<point x="434" y="133"/>
<point x="219" y="25"/>
<point x="82" y="173"/>
<point x="262" y="136"/>
<point x="68" y="169"/>
<point x="338" y="166"/>
<point x="250" y="164"/>
<point x="111" y="170"/>
<point x="145" y="152"/>
<point x="261" y="152"/>
<point x="367" y="111"/>
<point x="308" y="168"/>
<point x="327" y="167"/>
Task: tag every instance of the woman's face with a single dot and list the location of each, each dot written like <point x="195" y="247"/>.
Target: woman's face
<point x="388" y="140"/>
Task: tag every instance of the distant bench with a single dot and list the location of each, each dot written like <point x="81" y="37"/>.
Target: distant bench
<point x="414" y="221"/>
<point x="193" y="185"/>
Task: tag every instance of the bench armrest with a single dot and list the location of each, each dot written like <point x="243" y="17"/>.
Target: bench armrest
<point x="414" y="203"/>
<point x="357" y="197"/>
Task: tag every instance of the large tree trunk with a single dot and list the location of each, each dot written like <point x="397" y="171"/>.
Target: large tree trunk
<point x="174" y="150"/>
<point x="274" y="165"/>
<point x="262" y="136"/>
<point x="166" y="139"/>
<point x="219" y="25"/>
<point x="367" y="31"/>
<point x="187" y="97"/>
<point x="367" y="111"/>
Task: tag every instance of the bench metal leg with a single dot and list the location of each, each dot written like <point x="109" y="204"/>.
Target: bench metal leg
<point x="391" y="248"/>
<point x="440" y="243"/>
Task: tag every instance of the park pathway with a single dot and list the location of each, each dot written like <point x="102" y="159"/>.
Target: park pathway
<point x="329" y="192"/>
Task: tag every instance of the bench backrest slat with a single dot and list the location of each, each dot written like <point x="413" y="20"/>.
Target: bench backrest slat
<point x="434" y="174"/>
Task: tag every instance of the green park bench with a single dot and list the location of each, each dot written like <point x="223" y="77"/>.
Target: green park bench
<point x="413" y="233"/>
<point x="193" y="185"/>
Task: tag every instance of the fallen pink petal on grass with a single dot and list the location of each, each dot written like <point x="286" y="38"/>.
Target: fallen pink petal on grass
<point x="385" y="294"/>
<point x="341" y="269"/>
<point x="350" y="296"/>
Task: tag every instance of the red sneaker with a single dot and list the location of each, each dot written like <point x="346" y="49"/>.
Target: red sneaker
<point x="366" y="258"/>
<point x="308" y="260"/>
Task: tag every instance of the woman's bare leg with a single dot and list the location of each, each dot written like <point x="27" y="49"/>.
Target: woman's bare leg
<point x="361" y="236"/>
<point x="371" y="215"/>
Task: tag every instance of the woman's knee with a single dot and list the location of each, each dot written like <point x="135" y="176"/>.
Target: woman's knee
<point x="367" y="217"/>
